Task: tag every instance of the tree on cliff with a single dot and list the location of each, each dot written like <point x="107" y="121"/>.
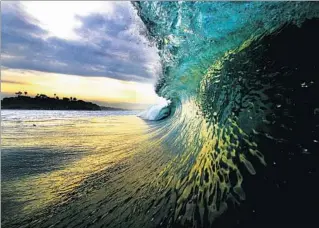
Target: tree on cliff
<point x="18" y="93"/>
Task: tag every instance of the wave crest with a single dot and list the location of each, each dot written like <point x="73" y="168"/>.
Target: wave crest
<point x="157" y="111"/>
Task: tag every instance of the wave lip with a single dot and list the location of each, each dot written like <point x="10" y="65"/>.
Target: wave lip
<point x="156" y="112"/>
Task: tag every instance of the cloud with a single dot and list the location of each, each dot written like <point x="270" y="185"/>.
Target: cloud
<point x="109" y="42"/>
<point x="14" y="82"/>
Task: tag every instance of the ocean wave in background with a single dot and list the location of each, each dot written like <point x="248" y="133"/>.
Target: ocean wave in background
<point x="156" y="112"/>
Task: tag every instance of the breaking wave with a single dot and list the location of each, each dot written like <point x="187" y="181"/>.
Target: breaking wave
<point x="237" y="74"/>
<point x="156" y="112"/>
<point x="238" y="78"/>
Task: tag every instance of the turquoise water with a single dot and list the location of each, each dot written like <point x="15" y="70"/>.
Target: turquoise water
<point x="239" y="147"/>
<point x="191" y="36"/>
<point x="243" y="81"/>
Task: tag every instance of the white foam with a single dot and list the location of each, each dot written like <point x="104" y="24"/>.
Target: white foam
<point x="154" y="112"/>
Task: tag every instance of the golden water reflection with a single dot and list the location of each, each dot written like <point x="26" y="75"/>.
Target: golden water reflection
<point x="103" y="142"/>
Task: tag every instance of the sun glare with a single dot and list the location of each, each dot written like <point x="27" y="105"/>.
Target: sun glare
<point x="60" y="17"/>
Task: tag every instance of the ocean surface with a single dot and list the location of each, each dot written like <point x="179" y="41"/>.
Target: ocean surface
<point x="236" y="145"/>
<point x="73" y="168"/>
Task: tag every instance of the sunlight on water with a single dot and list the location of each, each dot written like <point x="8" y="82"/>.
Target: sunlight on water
<point x="236" y="83"/>
<point x="102" y="148"/>
<point x="94" y="143"/>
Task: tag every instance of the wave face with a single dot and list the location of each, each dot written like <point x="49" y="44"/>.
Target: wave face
<point x="239" y="76"/>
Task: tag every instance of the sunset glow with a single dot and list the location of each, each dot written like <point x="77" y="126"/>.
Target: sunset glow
<point x="94" y="51"/>
<point x="100" y="89"/>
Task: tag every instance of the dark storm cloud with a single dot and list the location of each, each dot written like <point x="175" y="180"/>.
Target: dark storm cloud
<point x="108" y="46"/>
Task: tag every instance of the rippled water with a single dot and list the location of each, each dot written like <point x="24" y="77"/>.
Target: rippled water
<point x="239" y="147"/>
<point x="74" y="168"/>
<point x="243" y="81"/>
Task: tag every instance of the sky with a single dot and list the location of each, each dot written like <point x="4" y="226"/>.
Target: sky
<point x="95" y="51"/>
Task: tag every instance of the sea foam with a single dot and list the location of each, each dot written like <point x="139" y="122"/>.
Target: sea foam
<point x="157" y="111"/>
